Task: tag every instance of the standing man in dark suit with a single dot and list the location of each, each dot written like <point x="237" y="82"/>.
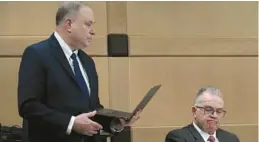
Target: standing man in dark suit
<point x="207" y="111"/>
<point x="58" y="82"/>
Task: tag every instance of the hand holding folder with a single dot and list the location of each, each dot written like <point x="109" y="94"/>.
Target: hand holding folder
<point x="114" y="121"/>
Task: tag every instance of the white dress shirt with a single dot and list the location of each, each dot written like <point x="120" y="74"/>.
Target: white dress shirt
<point x="205" y="135"/>
<point x="68" y="52"/>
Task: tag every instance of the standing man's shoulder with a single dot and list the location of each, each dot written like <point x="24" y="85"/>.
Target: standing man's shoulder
<point x="38" y="47"/>
<point x="177" y="135"/>
<point x="231" y="137"/>
<point x="36" y="55"/>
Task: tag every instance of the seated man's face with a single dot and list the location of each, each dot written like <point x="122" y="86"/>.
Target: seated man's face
<point x="208" y="112"/>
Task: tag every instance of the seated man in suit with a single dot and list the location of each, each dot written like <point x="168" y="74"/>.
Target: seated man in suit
<point x="207" y="112"/>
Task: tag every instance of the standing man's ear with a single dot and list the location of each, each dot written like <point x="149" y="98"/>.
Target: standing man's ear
<point x="68" y="25"/>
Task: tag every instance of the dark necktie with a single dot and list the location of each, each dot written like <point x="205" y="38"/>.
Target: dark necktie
<point x="78" y="75"/>
<point x="211" y="139"/>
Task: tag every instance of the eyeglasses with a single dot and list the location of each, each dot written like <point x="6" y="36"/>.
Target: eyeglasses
<point x="208" y="110"/>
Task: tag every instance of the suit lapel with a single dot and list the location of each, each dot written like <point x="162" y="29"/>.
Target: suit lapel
<point x="86" y="65"/>
<point x="60" y="56"/>
<point x="195" y="134"/>
<point x="219" y="136"/>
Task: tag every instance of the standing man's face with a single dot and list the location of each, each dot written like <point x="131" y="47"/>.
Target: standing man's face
<point x="208" y="112"/>
<point x="82" y="28"/>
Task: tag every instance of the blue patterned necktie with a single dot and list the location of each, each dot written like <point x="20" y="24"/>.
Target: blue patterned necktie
<point x="78" y="75"/>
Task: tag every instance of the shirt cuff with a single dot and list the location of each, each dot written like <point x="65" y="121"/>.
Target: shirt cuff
<point x="70" y="125"/>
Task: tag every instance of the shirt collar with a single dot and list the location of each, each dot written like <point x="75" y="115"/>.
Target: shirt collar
<point x="65" y="47"/>
<point x="204" y="135"/>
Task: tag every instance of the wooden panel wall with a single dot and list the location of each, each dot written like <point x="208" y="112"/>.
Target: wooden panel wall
<point x="187" y="45"/>
<point x="182" y="45"/>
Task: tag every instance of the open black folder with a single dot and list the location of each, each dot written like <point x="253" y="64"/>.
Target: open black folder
<point x="106" y="116"/>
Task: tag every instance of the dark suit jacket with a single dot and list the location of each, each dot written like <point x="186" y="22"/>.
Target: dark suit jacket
<point x="190" y="134"/>
<point x="48" y="94"/>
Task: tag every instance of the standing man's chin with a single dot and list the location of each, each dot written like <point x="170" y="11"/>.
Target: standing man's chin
<point x="88" y="43"/>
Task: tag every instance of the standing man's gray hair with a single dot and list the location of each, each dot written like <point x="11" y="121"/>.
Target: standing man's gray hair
<point x="67" y="10"/>
<point x="209" y="89"/>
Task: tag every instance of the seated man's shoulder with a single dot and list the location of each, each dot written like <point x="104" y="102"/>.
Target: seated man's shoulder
<point x="227" y="134"/>
<point x="179" y="131"/>
<point x="178" y="134"/>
